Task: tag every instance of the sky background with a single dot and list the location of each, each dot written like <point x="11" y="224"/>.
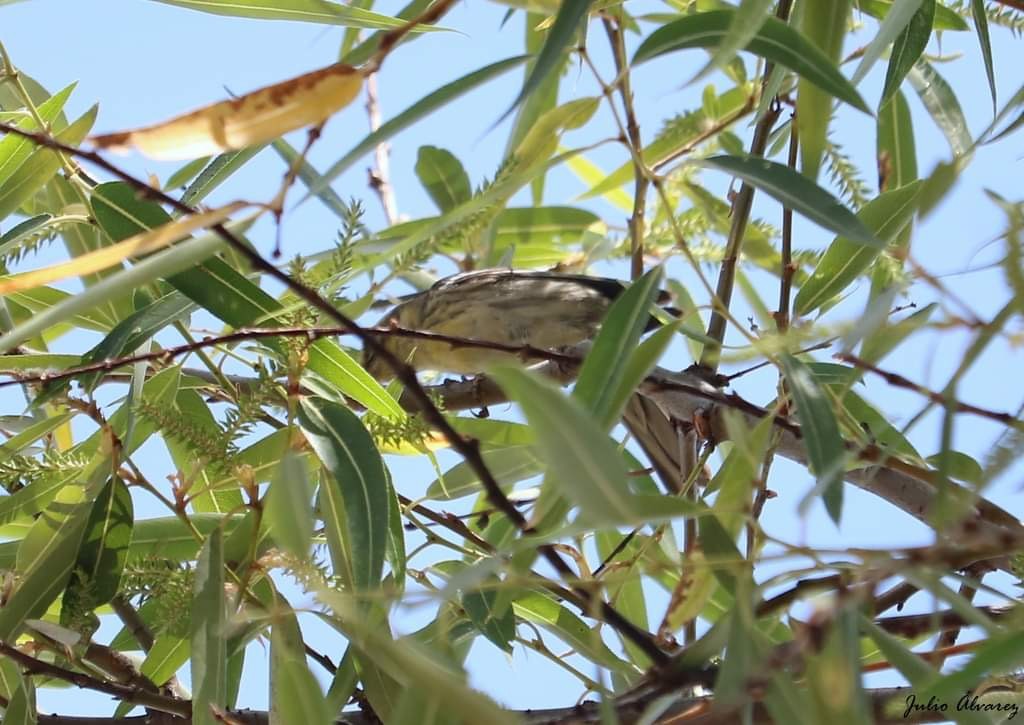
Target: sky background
<point x="145" y="61"/>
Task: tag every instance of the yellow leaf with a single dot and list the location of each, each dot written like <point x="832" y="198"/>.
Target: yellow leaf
<point x="254" y="118"/>
<point x="144" y="243"/>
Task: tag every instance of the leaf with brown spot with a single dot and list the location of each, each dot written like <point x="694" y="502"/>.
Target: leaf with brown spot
<point x="254" y="118"/>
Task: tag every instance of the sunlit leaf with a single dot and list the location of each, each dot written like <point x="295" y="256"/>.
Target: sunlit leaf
<point x="254" y="118"/>
<point x="775" y="41"/>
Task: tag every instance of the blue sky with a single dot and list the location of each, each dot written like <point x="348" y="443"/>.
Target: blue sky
<point x="145" y="61"/>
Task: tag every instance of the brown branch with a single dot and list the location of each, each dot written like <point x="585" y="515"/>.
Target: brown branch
<point x="788" y="268"/>
<point x="897" y="380"/>
<point x="126" y="693"/>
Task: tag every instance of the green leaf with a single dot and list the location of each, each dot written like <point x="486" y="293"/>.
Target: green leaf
<point x="443" y="177"/>
<point x="820" y="433"/>
<point x="45" y="558"/>
<point x="295" y="695"/>
<point x="219" y="288"/>
<point x="108" y="535"/>
<point x="15" y="150"/>
<point x="602" y="386"/>
<point x="824" y="24"/>
<point x="981" y="28"/>
<point x="209" y="633"/>
<point x="541" y="609"/>
<point x="795" y="192"/>
<point x="908" y="47"/>
<point x="362" y="52"/>
<point x="884" y="340"/>
<point x="168" y="654"/>
<point x="572" y="14"/>
<point x="937" y="96"/>
<point x="958" y="465"/>
<point x="421" y="108"/>
<point x="311" y="178"/>
<point x="896" y="152"/>
<point x="303" y="11"/>
<point x="508" y="466"/>
<point x="354" y="496"/>
<point x="169" y="262"/>
<point x="43" y="163"/>
<point x="886" y="216"/>
<point x="746" y="22"/>
<point x="216" y="172"/>
<point x="583" y="459"/>
<point x="945" y="18"/>
<point x="896" y="18"/>
<point x="482" y="606"/>
<point x="289" y="508"/>
<point x="775" y="41"/>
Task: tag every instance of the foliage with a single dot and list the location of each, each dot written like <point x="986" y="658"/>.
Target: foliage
<point x="212" y="468"/>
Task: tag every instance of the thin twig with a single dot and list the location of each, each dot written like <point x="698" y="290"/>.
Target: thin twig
<point x="897" y="380"/>
<point x="741" y="208"/>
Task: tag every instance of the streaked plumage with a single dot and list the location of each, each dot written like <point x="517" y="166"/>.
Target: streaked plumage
<point x="542" y="309"/>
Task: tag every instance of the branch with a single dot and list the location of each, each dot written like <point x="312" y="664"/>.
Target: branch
<point x="125" y="693"/>
<point x="899" y="381"/>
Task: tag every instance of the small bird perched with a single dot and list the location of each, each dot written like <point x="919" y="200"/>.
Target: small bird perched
<point x="546" y="310"/>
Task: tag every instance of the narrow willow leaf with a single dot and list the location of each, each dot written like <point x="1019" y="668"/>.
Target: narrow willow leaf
<point x="602" y="387"/>
<point x="168" y="654"/>
<point x="289" y="507"/>
<point x="108" y="535"/>
<point x="163" y="264"/>
<point x="229" y="295"/>
<point x="412" y="664"/>
<point x="497" y="623"/>
<point x="542" y="99"/>
<point x="795" y="192"/>
<point x="897" y="154"/>
<point x="18" y="693"/>
<point x="582" y="457"/>
<point x="981" y="28"/>
<point x="943" y="106"/>
<point x="945" y="18"/>
<point x="820" y="433"/>
<point x="897" y="16"/>
<point x="295" y="695"/>
<point x="824" y="24"/>
<point x="541" y="609"/>
<point x="303" y="11"/>
<point x="38" y="168"/>
<point x="420" y="109"/>
<point x="908" y="47"/>
<point x="747" y="20"/>
<point x="354" y="496"/>
<point x="209" y="634"/>
<point x="443" y="177"/>
<point x="255" y="118"/>
<point x="14" y="149"/>
<point x="886" y="216"/>
<point x="775" y="41"/>
<point x="216" y="172"/>
<point x="311" y="177"/>
<point x="571" y="16"/>
<point x="141" y="244"/>
<point x="45" y="558"/>
<point x="508" y="465"/>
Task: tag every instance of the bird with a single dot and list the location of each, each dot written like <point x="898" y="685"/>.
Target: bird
<point x="540" y="309"/>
